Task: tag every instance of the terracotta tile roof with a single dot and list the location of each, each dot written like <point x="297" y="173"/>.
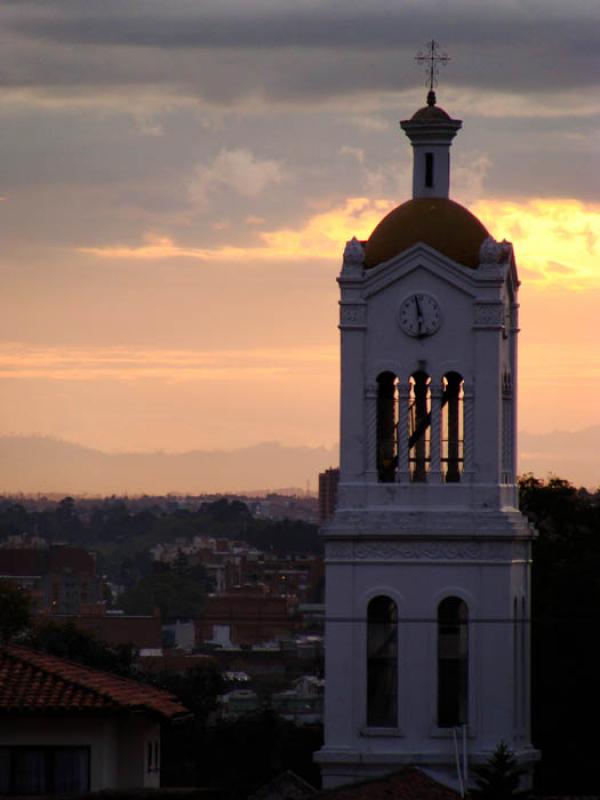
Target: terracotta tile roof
<point x="408" y="783"/>
<point x="36" y="682"/>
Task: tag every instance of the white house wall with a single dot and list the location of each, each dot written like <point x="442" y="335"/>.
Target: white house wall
<point x="117" y="745"/>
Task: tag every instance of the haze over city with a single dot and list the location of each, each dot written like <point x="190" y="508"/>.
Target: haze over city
<point x="179" y="180"/>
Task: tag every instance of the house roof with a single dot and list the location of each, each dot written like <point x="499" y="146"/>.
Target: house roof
<point x="408" y="783"/>
<point x="33" y="682"/>
<point x="287" y="786"/>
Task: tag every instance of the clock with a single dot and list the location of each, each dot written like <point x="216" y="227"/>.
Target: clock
<point x="420" y="315"/>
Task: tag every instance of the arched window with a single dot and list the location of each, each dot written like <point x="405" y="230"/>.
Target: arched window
<point x="453" y="662"/>
<point x="382" y="663"/>
<point x="387" y="426"/>
<point x="452" y="427"/>
<point x="419" y="426"/>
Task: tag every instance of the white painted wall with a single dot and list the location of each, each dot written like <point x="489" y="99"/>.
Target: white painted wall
<point x="418" y="543"/>
<point x="117" y="744"/>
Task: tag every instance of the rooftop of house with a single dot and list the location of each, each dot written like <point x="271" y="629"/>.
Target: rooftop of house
<point x="408" y="783"/>
<point x="37" y="683"/>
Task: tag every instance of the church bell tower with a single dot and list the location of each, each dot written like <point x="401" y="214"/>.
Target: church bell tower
<point x="427" y="556"/>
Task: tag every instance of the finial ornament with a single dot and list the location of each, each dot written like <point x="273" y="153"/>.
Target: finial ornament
<point x="354" y="252"/>
<point x="432" y="58"/>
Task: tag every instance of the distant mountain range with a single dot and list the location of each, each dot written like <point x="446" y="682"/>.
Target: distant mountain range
<point x="37" y="464"/>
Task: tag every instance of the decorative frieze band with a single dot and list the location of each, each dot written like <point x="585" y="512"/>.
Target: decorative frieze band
<point x="398" y="551"/>
<point x="353" y="315"/>
<point x="489" y="315"/>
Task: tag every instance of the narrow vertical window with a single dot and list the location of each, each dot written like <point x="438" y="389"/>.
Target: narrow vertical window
<point x="453" y="662"/>
<point x="453" y="427"/>
<point x="382" y="663"/>
<point x="419" y="426"/>
<point x="429" y="170"/>
<point x="387" y="426"/>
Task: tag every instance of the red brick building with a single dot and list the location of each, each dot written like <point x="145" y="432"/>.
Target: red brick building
<point x="328" y="486"/>
<point x="62" y="579"/>
<point x="246" y="618"/>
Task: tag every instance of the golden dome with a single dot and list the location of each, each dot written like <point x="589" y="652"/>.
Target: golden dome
<point x="430" y="114"/>
<point x="436" y="221"/>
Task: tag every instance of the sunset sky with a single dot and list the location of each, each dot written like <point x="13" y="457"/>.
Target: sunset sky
<point x="178" y="179"/>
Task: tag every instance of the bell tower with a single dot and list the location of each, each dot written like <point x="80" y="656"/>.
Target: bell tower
<point x="427" y="556"/>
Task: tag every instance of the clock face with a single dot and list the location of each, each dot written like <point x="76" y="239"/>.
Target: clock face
<point x="420" y="315"/>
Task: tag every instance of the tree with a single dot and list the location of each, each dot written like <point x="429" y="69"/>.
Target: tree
<point x="176" y="596"/>
<point x="15" y="611"/>
<point x="66" y="640"/>
<point x="499" y="777"/>
<point x="238" y="756"/>
<point x="565" y="614"/>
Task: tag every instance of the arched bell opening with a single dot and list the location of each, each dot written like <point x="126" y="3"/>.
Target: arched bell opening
<point x="419" y="426"/>
<point x="382" y="663"/>
<point x="453" y="662"/>
<point x="387" y="426"/>
<point x="453" y="427"/>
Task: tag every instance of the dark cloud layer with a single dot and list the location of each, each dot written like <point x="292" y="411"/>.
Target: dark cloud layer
<point x="291" y="51"/>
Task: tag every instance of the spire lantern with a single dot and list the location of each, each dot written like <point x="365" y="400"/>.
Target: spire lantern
<point x="431" y="131"/>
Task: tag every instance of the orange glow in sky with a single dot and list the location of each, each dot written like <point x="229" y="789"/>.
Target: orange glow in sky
<point x="173" y="216"/>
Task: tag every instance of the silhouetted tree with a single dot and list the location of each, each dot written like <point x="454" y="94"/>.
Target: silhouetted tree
<point x="66" y="640"/>
<point x="15" y="611"/>
<point x="499" y="778"/>
<point x="174" y="595"/>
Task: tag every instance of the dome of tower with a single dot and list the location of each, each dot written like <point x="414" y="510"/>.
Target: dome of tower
<point x="441" y="223"/>
<point x="430" y="114"/>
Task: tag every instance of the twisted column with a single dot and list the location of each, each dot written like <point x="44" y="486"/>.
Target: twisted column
<point x="435" y="466"/>
<point x="402" y="472"/>
<point x="468" y="432"/>
<point x="507" y="432"/>
<point x="371" y="427"/>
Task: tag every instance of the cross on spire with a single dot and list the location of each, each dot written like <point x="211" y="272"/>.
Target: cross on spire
<point x="432" y="58"/>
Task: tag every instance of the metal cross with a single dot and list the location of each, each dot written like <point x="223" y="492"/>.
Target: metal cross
<point x="431" y="55"/>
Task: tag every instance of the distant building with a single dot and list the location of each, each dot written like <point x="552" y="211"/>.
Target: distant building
<point x="246" y="618"/>
<point x="328" y="486"/>
<point x="180" y="634"/>
<point x="303" y="704"/>
<point x="61" y="578"/>
<point x="144" y="632"/>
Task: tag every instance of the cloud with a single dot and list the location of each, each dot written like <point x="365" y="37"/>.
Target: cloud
<point x="289" y="51"/>
<point x="469" y="177"/>
<point x="557" y="241"/>
<point x="356" y="153"/>
<point x="321" y="237"/>
<point x="19" y="361"/>
<point x="238" y="170"/>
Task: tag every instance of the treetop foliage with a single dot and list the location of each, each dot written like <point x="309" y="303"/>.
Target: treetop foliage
<point x="16" y="607"/>
<point x="499" y="778"/>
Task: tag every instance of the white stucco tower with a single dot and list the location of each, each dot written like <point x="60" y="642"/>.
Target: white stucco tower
<point x="428" y="558"/>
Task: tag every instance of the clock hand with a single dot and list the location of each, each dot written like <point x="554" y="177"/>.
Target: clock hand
<point x="420" y="318"/>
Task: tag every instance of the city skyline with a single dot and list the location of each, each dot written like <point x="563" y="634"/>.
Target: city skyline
<point x="178" y="185"/>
